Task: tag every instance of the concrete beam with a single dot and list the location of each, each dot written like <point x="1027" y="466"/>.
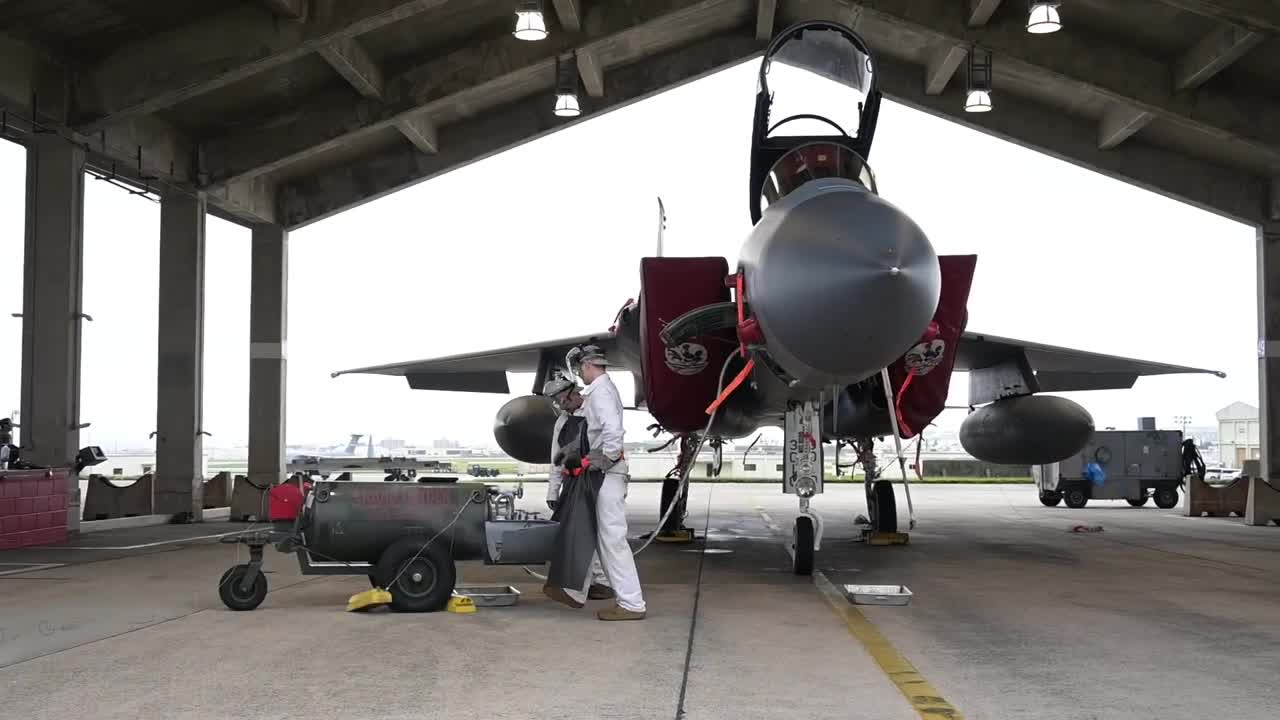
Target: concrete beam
<point x="1229" y="193"/>
<point x="494" y="67"/>
<point x="179" y="480"/>
<point x="1213" y="54"/>
<point x="1119" y="123"/>
<point x="352" y="61"/>
<point x="1268" y="262"/>
<point x="268" y="326"/>
<point x="765" y="11"/>
<point x="591" y="71"/>
<point x="980" y="11"/>
<point x="942" y="66"/>
<point x="202" y="57"/>
<point x="290" y="9"/>
<point x="1112" y="71"/>
<point x="570" y="14"/>
<point x="1255" y="14"/>
<point x="421" y="132"/>
<point x="323" y="194"/>
<point x="52" y="314"/>
<point x="1273" y="200"/>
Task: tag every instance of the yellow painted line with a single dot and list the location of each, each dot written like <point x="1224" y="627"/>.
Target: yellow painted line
<point x="924" y="697"/>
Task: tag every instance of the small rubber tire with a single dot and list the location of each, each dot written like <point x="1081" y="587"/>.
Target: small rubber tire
<point x="1050" y="498"/>
<point x="236" y="598"/>
<point x="1166" y="498"/>
<point x="885" y="518"/>
<point x="802" y="546"/>
<point x="1137" y="503"/>
<point x="427" y="581"/>
<point x="1076" y="498"/>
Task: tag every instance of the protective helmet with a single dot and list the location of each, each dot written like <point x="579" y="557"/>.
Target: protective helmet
<point x="585" y="354"/>
<point x="557" y="385"/>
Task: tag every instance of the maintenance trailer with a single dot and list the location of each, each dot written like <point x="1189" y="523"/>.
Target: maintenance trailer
<point x="406" y="537"/>
<point x="1132" y="465"/>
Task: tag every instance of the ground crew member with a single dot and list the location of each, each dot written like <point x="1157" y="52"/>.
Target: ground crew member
<point x="603" y="411"/>
<point x="564" y="395"/>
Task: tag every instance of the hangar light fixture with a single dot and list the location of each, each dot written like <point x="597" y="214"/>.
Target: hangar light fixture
<point x="978" y="98"/>
<point x="567" y="88"/>
<point x="1042" y="17"/>
<point x="530" y="24"/>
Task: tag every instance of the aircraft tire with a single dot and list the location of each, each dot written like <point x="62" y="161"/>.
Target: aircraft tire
<point x="886" y="511"/>
<point x="802" y="548"/>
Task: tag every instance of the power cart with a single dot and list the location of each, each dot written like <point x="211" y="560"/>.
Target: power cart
<point x="406" y="537"/>
<point x="1131" y="465"/>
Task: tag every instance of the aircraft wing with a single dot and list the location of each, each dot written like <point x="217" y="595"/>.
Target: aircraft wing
<point x="995" y="364"/>
<point x="485" y="371"/>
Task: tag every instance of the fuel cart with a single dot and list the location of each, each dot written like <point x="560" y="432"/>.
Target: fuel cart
<point x="1131" y="465"/>
<point x="406" y="537"/>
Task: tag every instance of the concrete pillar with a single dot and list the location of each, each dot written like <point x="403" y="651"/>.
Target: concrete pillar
<point x="179" y="479"/>
<point x="1269" y="349"/>
<point x="51" y="308"/>
<point x="268" y="301"/>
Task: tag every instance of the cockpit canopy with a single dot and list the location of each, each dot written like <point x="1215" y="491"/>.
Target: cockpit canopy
<point x="813" y="161"/>
<point x="817" y="102"/>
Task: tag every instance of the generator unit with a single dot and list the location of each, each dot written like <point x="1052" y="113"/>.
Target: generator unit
<point x="1131" y="465"/>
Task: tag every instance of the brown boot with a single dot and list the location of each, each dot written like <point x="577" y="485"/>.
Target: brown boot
<point x="560" y="596"/>
<point x="618" y="613"/>
<point x="600" y="592"/>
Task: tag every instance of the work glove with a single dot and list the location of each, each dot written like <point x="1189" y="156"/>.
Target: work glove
<point x="572" y="460"/>
<point x="599" y="460"/>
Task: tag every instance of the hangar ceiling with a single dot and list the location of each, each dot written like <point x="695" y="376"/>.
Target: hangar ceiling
<point x="289" y="111"/>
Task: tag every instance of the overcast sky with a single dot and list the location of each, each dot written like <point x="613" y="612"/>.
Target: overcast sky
<point x="544" y="241"/>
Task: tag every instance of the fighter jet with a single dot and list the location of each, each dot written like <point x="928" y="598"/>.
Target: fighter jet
<point x="839" y="324"/>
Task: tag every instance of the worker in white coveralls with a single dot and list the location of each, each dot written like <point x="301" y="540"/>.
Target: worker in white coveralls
<point x="603" y="410"/>
<point x="567" y="400"/>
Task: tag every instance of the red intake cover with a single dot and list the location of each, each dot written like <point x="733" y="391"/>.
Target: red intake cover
<point x="681" y="381"/>
<point x="930" y="361"/>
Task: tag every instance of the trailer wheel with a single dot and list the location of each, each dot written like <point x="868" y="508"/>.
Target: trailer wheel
<point x="1050" y="498"/>
<point x="1138" y="502"/>
<point x="418" y="581"/>
<point x="1076" y="498"/>
<point x="236" y="598"/>
<point x="1166" y="498"/>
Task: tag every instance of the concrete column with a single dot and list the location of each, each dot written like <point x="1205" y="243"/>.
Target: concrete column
<point x="1269" y="349"/>
<point x="180" y="365"/>
<point x="268" y="301"/>
<point x="51" y="308"/>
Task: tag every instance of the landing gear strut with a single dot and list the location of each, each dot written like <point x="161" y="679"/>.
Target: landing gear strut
<point x="802" y="477"/>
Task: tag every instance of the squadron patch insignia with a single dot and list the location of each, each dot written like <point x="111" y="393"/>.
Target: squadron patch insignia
<point x="686" y="358"/>
<point x="924" y="357"/>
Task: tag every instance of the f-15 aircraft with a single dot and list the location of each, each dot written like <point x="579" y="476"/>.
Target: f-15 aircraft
<point x="840" y="324"/>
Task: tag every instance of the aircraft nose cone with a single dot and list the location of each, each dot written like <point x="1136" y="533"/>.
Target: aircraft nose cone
<point x="841" y="281"/>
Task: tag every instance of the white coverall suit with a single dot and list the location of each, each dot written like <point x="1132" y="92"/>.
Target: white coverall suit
<point x="554" y="480"/>
<point x="602" y="407"/>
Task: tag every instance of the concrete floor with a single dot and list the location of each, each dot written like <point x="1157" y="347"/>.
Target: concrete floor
<point x="1013" y="616"/>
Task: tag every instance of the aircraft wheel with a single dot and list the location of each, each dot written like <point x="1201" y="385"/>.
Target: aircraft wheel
<point x="1138" y="502"/>
<point x="1050" y="498"/>
<point x="1166" y="498"/>
<point x="1076" y="498"/>
<point x="802" y="546"/>
<point x="884" y="514"/>
<point x="234" y="597"/>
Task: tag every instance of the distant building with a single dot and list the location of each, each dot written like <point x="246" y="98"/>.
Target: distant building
<point x="445" y="443"/>
<point x="393" y="444"/>
<point x="1239" y="434"/>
